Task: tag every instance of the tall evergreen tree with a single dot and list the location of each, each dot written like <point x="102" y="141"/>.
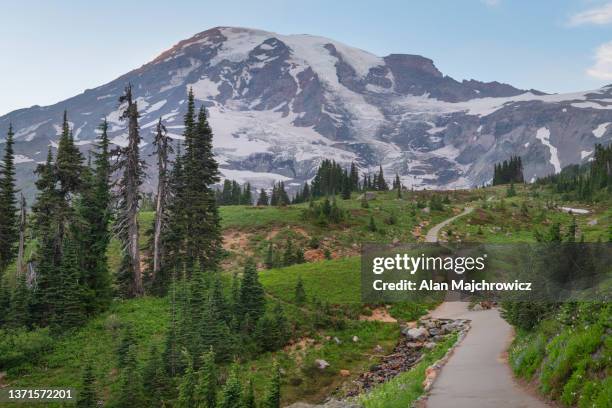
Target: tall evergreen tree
<point x="128" y="198"/>
<point x="69" y="161"/>
<point x="131" y="168"/>
<point x="252" y="296"/>
<point x="155" y="382"/>
<point x="87" y="397"/>
<point x="248" y="400"/>
<point x="9" y="233"/>
<point x="69" y="309"/>
<point x="19" y="305"/>
<point x="162" y="149"/>
<point x="47" y="231"/>
<point x="202" y="235"/>
<point x="231" y="394"/>
<point x="23" y="219"/>
<point x="187" y="386"/>
<point x="247" y="196"/>
<point x="272" y="399"/>
<point x="131" y="393"/>
<point x="206" y="389"/>
<point x="94" y="236"/>
<point x="263" y="198"/>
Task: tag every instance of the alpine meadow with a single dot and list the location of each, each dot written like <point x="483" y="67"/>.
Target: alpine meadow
<point x="195" y="234"/>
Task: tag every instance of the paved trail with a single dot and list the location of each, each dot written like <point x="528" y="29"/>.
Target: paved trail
<point x="432" y="234"/>
<point x="477" y="374"/>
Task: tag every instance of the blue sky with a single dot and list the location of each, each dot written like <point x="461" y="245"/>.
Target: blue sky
<point x="54" y="50"/>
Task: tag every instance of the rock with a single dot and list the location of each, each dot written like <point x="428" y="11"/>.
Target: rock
<point x="355" y="339"/>
<point x="438" y="338"/>
<point x="435" y="332"/>
<point x="345" y="373"/>
<point x="417" y="333"/>
<point x="322" y="364"/>
<point x="429" y="345"/>
<point x="378" y="349"/>
<point x="412" y="344"/>
<point x="477" y="307"/>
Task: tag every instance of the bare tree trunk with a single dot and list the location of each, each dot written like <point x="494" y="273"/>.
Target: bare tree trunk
<point x="22" y="228"/>
<point x="161" y="142"/>
<point x="132" y="178"/>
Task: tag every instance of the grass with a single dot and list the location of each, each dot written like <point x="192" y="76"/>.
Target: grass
<point x="96" y="342"/>
<point x="334" y="281"/>
<point x="570" y="363"/>
<point x="403" y="390"/>
<point x="304" y="381"/>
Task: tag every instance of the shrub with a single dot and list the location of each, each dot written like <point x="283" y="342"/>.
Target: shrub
<point x="21" y="347"/>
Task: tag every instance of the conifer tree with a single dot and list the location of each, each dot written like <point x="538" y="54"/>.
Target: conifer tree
<point x="19" y="305"/>
<point x="289" y="255"/>
<point x="94" y="209"/>
<point x="87" y="397"/>
<point x="272" y="398"/>
<point x="131" y="393"/>
<point x="231" y="394"/>
<point x="9" y="234"/>
<point x="155" y="382"/>
<point x="69" y="162"/>
<point x="131" y="168"/>
<point x="126" y="342"/>
<point x="252" y="297"/>
<point x="69" y="310"/>
<point x="247" y="198"/>
<point x="206" y="389"/>
<point x="5" y="302"/>
<point x="22" y="231"/>
<point x="300" y="292"/>
<point x="174" y="236"/>
<point x="354" y="177"/>
<point x="46" y="228"/>
<point x="202" y="222"/>
<point x="263" y="198"/>
<point x="162" y="149"/>
<point x="187" y="386"/>
<point x="269" y="261"/>
<point x="249" y="396"/>
<point x="381" y="183"/>
<point x="372" y="225"/>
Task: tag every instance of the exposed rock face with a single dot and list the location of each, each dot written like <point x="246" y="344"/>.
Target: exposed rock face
<point x="279" y="104"/>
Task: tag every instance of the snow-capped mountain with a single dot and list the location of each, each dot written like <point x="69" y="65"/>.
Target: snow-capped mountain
<point x="279" y="104"/>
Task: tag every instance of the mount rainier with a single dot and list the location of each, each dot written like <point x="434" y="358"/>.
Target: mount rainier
<point x="279" y="104"/>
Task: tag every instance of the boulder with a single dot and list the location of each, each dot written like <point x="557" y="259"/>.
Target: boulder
<point x="417" y="333"/>
<point x="322" y="364"/>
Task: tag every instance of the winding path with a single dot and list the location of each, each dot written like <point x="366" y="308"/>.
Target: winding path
<point x="477" y="374"/>
<point x="432" y="234"/>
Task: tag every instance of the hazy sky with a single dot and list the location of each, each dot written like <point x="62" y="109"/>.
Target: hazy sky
<point x="52" y="50"/>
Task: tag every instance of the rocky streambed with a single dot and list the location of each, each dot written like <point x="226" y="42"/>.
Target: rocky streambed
<point x="416" y="339"/>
